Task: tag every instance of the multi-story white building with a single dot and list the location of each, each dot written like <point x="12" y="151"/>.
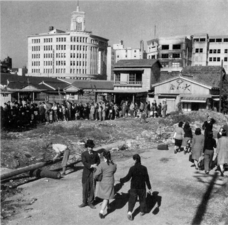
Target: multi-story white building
<point x="128" y="53"/>
<point x="200" y="49"/>
<point x="218" y="51"/>
<point x="210" y="50"/>
<point x="75" y="54"/>
<point x="174" y="53"/>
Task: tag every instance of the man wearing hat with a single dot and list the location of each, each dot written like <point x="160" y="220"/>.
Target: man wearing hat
<point x="90" y="160"/>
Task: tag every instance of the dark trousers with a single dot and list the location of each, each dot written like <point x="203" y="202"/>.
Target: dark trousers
<point x="208" y="156"/>
<point x="134" y="193"/>
<point x="88" y="190"/>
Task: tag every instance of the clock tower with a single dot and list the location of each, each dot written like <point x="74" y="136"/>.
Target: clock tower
<point x="77" y="20"/>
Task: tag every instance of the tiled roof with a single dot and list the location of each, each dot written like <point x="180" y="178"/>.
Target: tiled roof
<point x="93" y="84"/>
<point x="135" y="63"/>
<point x="18" y="82"/>
<point x="165" y="75"/>
<point x="208" y="75"/>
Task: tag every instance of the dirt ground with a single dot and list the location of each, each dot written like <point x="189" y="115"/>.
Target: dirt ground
<point x="181" y="195"/>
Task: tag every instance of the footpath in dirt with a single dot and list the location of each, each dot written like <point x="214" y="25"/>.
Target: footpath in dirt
<point x="181" y="195"/>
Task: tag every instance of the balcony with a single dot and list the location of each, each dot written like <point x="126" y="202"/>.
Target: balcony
<point x="128" y="83"/>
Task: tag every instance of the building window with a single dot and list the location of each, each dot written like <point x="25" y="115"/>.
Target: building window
<point x="117" y="78"/>
<point x="210" y="59"/>
<point x="176" y="65"/>
<point x="165" y="56"/>
<point x="202" y="39"/>
<point x="214" y="51"/>
<point x="196" y="39"/>
<point x="211" y="51"/>
<point x="176" y="47"/>
<point x="165" y="47"/>
<point x="197" y="50"/>
<point x="218" y="51"/>
<point x="201" y="50"/>
<point x="176" y="56"/>
<point x="225" y="50"/>
<point x="218" y="59"/>
<point x="225" y="39"/>
<point x="219" y="40"/>
<point x="212" y="40"/>
<point x="214" y="59"/>
<point x="225" y="59"/>
<point x="132" y="78"/>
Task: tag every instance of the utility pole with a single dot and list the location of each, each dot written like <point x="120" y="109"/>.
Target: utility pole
<point x="220" y="89"/>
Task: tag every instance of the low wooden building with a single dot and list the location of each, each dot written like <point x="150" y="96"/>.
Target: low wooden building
<point x="133" y="79"/>
<point x="196" y="87"/>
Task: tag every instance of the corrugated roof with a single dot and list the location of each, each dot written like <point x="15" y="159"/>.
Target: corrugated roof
<point x="136" y="63"/>
<point x="208" y="75"/>
<point x="93" y="84"/>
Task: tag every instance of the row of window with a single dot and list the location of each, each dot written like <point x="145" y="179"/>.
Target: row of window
<point x="78" y="71"/>
<point x="35" y="48"/>
<point x="61" y="39"/>
<point x="174" y="64"/>
<point x="78" y="55"/>
<point x="47" y="47"/>
<point x="217" y="59"/>
<point x="217" y="51"/>
<point x="47" y="63"/>
<point x="35" y="63"/>
<point x="35" y="70"/>
<point x="60" y="55"/>
<point x="218" y="40"/>
<point x="78" y="47"/>
<point x="60" y="63"/>
<point x="48" y="55"/>
<point x="199" y="39"/>
<point x="174" y="55"/>
<point x="60" y="47"/>
<point x="35" y="41"/>
<point x="198" y="50"/>
<point x="79" y="39"/>
<point x="35" y="56"/>
<point x="47" y="40"/>
<point x="175" y="47"/>
<point x="63" y="47"/>
<point x="78" y="63"/>
<point x="47" y="70"/>
<point x="214" y="59"/>
<point x="60" y="70"/>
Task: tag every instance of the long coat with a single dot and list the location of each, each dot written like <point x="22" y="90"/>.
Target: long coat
<point x="88" y="160"/>
<point x="222" y="150"/>
<point x="197" y="146"/>
<point x="105" y="188"/>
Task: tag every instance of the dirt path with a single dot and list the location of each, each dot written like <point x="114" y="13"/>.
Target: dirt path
<point x="180" y="188"/>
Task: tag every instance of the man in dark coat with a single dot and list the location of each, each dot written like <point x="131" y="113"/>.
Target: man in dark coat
<point x="90" y="160"/>
<point x="139" y="179"/>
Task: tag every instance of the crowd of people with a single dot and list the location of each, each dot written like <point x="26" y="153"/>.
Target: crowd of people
<point x="206" y="150"/>
<point x="25" y="114"/>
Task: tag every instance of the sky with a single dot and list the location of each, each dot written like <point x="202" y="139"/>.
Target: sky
<point x="127" y="20"/>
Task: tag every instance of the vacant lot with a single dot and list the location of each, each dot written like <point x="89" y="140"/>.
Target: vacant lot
<point x="181" y="195"/>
